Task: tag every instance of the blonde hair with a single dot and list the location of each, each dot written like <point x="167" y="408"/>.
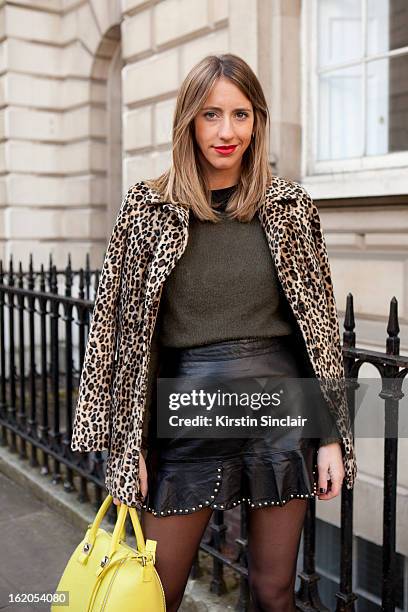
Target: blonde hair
<point x="183" y="182"/>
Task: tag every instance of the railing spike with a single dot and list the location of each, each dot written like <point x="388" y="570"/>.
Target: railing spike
<point x="349" y="320"/>
<point x="20" y="275"/>
<point x="393" y="325"/>
<point x="68" y="279"/>
<point x="393" y="329"/>
<point x="42" y="278"/>
<point x="30" y="274"/>
<point x="81" y="280"/>
<point x="349" y="336"/>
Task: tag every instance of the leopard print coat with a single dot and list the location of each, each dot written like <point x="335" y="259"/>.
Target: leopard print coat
<point x="148" y="238"/>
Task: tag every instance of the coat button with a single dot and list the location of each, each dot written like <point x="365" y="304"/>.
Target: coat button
<point x="316" y="353"/>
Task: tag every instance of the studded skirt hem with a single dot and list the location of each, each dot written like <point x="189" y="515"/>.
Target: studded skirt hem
<point x="222" y="484"/>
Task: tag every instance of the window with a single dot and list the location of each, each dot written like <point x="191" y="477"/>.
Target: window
<point x="357" y="111"/>
<point x="368" y="577"/>
<point x="328" y="561"/>
<point x="367" y="569"/>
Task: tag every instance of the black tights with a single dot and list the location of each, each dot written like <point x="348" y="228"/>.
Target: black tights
<point x="273" y="545"/>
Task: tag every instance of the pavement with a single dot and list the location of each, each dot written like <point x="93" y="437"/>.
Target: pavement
<point x="36" y="543"/>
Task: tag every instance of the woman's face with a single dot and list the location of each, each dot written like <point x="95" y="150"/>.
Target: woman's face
<point x="223" y="130"/>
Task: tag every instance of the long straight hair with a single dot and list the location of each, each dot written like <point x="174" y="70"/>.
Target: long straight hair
<point x="184" y="183"/>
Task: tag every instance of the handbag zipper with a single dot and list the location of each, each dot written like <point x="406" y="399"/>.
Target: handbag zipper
<point x="110" y="585"/>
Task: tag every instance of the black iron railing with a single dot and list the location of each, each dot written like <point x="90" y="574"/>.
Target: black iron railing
<point x="43" y="332"/>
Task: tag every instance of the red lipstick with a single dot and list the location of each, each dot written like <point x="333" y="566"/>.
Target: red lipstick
<point x="225" y="149"/>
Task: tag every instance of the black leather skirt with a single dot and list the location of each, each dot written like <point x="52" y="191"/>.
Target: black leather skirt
<point x="188" y="474"/>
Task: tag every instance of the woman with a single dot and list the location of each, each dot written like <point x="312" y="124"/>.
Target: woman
<point x="189" y="263"/>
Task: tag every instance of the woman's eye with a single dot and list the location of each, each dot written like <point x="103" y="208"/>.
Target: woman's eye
<point x="239" y="114"/>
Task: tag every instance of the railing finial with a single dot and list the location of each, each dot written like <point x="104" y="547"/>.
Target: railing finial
<point x="349" y="336"/>
<point x="393" y="329"/>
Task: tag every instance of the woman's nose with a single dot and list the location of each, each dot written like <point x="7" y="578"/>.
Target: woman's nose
<point x="226" y="130"/>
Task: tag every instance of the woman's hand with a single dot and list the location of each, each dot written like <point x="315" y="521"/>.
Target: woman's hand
<point x="330" y="468"/>
<point x="142" y="477"/>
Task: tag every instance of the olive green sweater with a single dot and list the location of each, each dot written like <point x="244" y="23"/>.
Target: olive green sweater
<point x="224" y="286"/>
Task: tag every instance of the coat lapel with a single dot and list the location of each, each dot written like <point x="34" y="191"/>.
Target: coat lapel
<point x="165" y="259"/>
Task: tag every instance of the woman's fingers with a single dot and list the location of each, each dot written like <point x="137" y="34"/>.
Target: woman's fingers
<point x="142" y="477"/>
<point x="330" y="482"/>
<point x="333" y="487"/>
<point x="330" y="471"/>
<point x="324" y="477"/>
<point x="336" y="483"/>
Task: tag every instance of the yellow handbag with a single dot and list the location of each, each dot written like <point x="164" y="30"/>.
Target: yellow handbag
<point x="104" y="574"/>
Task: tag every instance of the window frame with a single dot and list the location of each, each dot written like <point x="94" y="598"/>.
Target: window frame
<point x="368" y="175"/>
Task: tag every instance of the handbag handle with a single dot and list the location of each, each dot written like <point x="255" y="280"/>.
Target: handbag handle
<point x="123" y="534"/>
<point x="119" y="527"/>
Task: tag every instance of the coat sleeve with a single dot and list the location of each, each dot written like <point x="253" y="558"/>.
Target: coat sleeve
<point x="91" y="429"/>
<point x="340" y="397"/>
<point x="319" y="244"/>
<point x="151" y="392"/>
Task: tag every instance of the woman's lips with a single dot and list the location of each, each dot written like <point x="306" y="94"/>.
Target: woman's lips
<point x="226" y="150"/>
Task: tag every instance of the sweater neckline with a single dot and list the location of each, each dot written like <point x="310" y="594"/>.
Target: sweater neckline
<point x="220" y="197"/>
<point x="223" y="190"/>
